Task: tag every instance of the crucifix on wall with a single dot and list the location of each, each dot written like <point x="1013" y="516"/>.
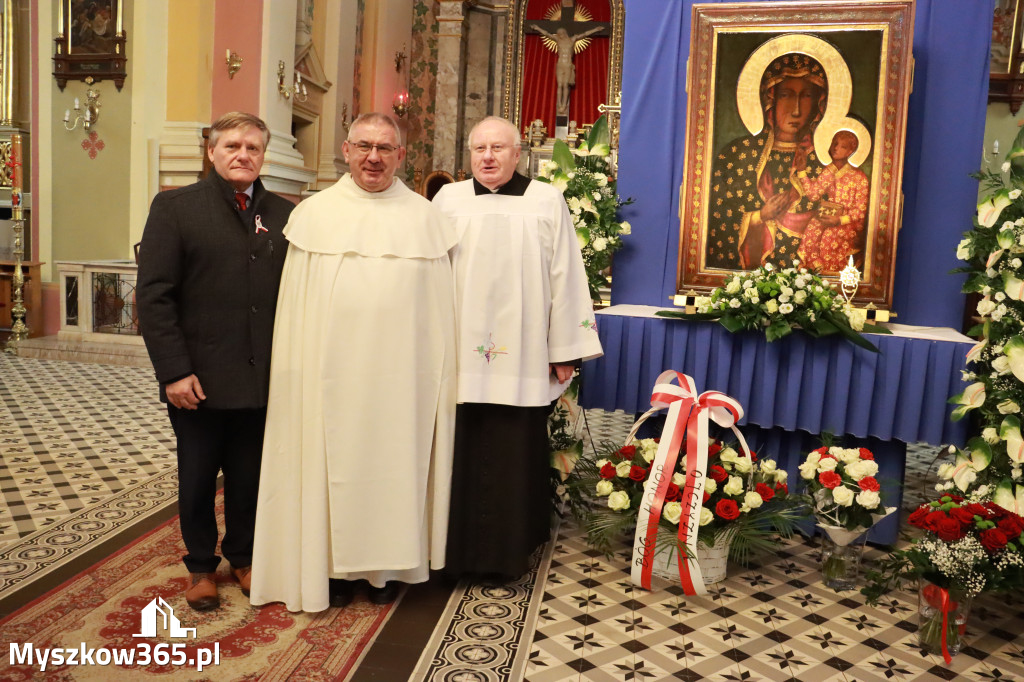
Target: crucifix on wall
<point x="566" y="35"/>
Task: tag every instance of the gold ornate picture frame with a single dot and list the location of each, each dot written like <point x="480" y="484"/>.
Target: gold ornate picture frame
<point x="774" y="91"/>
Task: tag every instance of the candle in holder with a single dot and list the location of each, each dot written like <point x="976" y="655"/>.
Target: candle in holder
<point x="15" y="163"/>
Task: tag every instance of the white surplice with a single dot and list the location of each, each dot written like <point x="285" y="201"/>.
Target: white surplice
<point x="357" y="452"/>
<point x="522" y="292"/>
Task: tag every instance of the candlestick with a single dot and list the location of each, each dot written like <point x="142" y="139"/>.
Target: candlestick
<point x="19" y="331"/>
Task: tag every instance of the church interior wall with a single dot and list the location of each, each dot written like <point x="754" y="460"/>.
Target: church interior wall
<point x="477" y="69"/>
<point x="419" y="132"/>
<point x="343" y="48"/>
<point x="1002" y="126"/>
<point x="236" y="26"/>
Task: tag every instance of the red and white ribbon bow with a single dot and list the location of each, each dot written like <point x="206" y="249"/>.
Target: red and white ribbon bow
<point x="682" y="402"/>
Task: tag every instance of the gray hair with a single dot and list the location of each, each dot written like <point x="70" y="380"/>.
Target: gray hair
<point x="516" y="137"/>
<point x="378" y="118"/>
<point x="238" y="119"/>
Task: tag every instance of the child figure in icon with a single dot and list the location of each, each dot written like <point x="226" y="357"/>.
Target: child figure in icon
<point x="841" y="191"/>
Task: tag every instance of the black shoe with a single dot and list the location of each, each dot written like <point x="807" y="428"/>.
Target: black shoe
<point x="340" y="591"/>
<point x="386" y="594"/>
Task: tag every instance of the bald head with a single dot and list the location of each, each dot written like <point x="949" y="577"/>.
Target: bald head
<point x="493" y="151"/>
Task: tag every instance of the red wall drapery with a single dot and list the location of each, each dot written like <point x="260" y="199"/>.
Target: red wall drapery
<point x="539" y="70"/>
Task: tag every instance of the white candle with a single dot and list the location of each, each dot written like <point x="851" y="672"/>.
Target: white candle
<point x="77" y="107"/>
<point x="88" y="116"/>
<point x="67" y="115"/>
<point x="995" y="147"/>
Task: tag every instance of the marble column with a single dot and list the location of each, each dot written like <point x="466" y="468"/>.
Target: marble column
<point x="450" y="19"/>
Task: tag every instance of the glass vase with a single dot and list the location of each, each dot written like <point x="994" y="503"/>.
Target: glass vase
<point x="942" y="620"/>
<point x="840" y="564"/>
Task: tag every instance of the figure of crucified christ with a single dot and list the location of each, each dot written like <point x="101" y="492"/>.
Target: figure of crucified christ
<point x="565" y="71"/>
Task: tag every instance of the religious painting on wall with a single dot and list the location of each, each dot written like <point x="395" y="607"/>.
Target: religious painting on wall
<point x="794" y="146"/>
<point x="91" y="43"/>
<point x="564" y="60"/>
<point x="1006" y="80"/>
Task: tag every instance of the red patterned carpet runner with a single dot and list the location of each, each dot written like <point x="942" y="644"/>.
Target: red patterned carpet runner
<point x="101" y="613"/>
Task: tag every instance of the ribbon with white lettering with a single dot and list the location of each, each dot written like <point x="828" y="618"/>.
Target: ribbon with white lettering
<point x="712" y="405"/>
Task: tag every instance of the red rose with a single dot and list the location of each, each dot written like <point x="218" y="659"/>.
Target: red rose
<point x="727" y="509"/>
<point x="782" y="488"/>
<point x="714" y="448"/>
<point x="866" y="454"/>
<point x="1011" y="525"/>
<point x="627" y="451"/>
<point x="637" y="473"/>
<point x="917" y="516"/>
<point x="949" y="529"/>
<point x="932" y="520"/>
<point x="830" y="479"/>
<point x="822" y="450"/>
<point x="707" y="496"/>
<point x="608" y="470"/>
<point x="753" y="456"/>
<point x="765" y="492"/>
<point x="962" y="515"/>
<point x="672" y="492"/>
<point x="992" y="539"/>
<point x="869" y="483"/>
<point x="658" y="439"/>
<point x="978" y="510"/>
<point x="718" y="473"/>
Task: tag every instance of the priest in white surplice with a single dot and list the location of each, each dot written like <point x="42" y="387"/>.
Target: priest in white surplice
<point x="357" y="452"/>
<point x="525" y="321"/>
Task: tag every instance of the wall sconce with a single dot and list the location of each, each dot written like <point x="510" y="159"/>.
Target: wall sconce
<point x="91" y="115"/>
<point x="301" y="95"/>
<point x="234" y="63"/>
<point x="400" y="102"/>
<point x="298" y="87"/>
<point x="281" y="88"/>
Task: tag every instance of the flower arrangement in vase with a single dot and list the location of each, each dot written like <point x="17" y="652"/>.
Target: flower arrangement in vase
<point x="847" y="502"/>
<point x="964" y="548"/>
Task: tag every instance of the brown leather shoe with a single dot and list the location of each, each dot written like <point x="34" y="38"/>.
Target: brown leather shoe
<point x="244" y="577"/>
<point x="202" y="596"/>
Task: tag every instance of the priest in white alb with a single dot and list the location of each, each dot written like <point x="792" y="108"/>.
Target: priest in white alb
<point x="357" y="451"/>
<point x="525" y="322"/>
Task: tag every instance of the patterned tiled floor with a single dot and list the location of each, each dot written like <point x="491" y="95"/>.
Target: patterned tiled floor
<point x="86" y="450"/>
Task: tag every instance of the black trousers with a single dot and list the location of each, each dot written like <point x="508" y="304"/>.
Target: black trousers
<point x="211" y="441"/>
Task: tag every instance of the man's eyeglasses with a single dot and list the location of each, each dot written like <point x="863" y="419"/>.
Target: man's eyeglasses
<point x="383" y="149"/>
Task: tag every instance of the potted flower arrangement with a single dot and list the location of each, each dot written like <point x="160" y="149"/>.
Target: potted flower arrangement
<point x="777" y="301"/>
<point x="746" y="502"/>
<point x="586" y="178"/>
<point x="966" y="548"/>
<point x="847" y="503"/>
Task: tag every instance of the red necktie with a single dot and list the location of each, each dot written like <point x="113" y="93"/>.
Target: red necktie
<point x="242" y="198"/>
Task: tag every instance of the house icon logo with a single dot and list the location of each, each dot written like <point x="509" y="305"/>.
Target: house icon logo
<point x="156" y="611"/>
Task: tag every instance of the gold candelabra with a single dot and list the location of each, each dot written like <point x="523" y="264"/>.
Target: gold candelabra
<point x="19" y="330"/>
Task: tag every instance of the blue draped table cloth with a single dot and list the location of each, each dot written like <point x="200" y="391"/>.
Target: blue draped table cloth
<point x="795" y="388"/>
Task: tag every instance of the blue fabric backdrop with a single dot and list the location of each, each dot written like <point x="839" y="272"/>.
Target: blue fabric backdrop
<point x="947" y="109"/>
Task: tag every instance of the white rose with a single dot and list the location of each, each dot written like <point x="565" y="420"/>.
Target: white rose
<point x="1016" y="263"/>
<point x="843" y="496"/>
<point x="622" y="469"/>
<point x="734" y="303"/>
<point x="807" y="470"/>
<point x="990" y="435"/>
<point x="743" y="465"/>
<point x="600" y="244"/>
<point x="597" y="196"/>
<point x="680" y="480"/>
<point x="600" y="463"/>
<point x="706" y="516"/>
<point x="728" y="455"/>
<point x="827" y="464"/>
<point x="734" y="486"/>
<point x="812" y="458"/>
<point x="618" y="500"/>
<point x="1002" y="366"/>
<point x="1005" y="167"/>
<point x="671" y="512"/>
<point x="625" y="227"/>
<point x="1014" y="193"/>
<point x="799" y="297"/>
<point x="710" y="485"/>
<point x="786" y="308"/>
<point x="1000" y="296"/>
<point x="868" y="499"/>
<point x="963" y="249"/>
<point x="752" y="500"/>
<point x="781" y="475"/>
<point x="604" y="488"/>
<point x="768" y="466"/>
<point x="752" y="294"/>
<point x="847" y="455"/>
<point x="1008" y="407"/>
<point x="733" y="287"/>
<point x="946" y="471"/>
<point x="771" y="306"/>
<point x="861" y="468"/>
